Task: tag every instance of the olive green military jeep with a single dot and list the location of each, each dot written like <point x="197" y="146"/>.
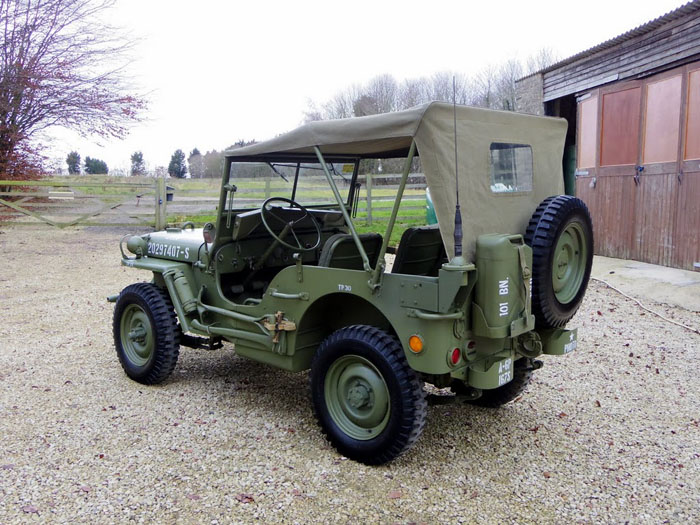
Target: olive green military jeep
<point x="292" y="284"/>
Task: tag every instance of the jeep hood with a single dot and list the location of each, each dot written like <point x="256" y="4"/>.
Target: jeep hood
<point x="175" y="244"/>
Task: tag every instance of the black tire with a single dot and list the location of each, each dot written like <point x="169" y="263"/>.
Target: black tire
<point x="367" y="360"/>
<point x="494" y="398"/>
<point x="560" y="234"/>
<point x="148" y="358"/>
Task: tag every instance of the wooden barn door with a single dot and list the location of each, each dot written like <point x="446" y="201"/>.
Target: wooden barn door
<point x="608" y="158"/>
<point x="643" y="198"/>
<point x="658" y="180"/>
<point x="687" y="216"/>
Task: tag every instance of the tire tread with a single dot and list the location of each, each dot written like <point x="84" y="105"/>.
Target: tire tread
<point x="413" y="418"/>
<point x="165" y="326"/>
<point x="541" y="235"/>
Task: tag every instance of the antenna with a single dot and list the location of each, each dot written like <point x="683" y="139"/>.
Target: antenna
<point x="458" y="213"/>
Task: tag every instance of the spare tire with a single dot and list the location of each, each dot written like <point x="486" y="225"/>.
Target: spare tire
<point x="560" y="234"/>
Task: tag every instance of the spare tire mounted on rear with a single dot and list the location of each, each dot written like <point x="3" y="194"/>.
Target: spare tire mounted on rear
<point x="560" y="234"/>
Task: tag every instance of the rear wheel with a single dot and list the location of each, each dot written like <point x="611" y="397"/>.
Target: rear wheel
<point x="560" y="234"/>
<point x="368" y="401"/>
<point x="146" y="333"/>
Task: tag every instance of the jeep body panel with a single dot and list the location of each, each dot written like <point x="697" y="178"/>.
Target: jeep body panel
<point x="472" y="316"/>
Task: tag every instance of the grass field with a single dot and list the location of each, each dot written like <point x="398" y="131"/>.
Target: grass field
<point x="196" y="199"/>
<point x="251" y="193"/>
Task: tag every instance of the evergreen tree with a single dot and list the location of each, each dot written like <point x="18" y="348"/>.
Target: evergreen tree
<point x="73" y="161"/>
<point x="196" y="164"/>
<point x="95" y="166"/>
<point x="177" y="167"/>
<point x="213" y="163"/>
<point x="138" y="166"/>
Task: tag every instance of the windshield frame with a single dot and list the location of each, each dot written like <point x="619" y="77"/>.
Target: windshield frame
<point x="297" y="162"/>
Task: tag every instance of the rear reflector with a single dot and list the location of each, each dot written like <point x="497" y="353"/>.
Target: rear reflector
<point x="415" y="343"/>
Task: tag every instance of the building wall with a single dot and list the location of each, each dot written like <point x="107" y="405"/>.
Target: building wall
<point x="529" y="95"/>
<point x="667" y="43"/>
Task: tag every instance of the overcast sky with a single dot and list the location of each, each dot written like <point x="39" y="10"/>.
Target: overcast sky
<point x="218" y="71"/>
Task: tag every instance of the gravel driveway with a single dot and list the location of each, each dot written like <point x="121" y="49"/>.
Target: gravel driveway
<point x="610" y="433"/>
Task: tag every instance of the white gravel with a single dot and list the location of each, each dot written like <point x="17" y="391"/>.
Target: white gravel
<point x="610" y="433"/>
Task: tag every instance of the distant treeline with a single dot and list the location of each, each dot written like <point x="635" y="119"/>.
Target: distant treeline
<point x="493" y="87"/>
<point x="211" y="163"/>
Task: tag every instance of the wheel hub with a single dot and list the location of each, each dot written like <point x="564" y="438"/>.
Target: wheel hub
<point x="359" y="396"/>
<point x="569" y="263"/>
<point x="138" y="334"/>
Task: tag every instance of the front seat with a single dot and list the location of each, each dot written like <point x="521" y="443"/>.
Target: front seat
<point x="340" y="251"/>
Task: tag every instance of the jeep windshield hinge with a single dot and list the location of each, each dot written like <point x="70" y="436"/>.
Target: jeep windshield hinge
<point x="230" y="190"/>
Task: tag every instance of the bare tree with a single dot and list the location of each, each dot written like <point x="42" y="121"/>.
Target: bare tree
<point x="384" y="90"/>
<point x="485" y="90"/>
<point x="542" y="59"/>
<point x="508" y="73"/>
<point x="413" y="91"/>
<point x="493" y="87"/>
<point x="59" y="67"/>
<point x="341" y="105"/>
<point x="441" y="87"/>
<point x="312" y="112"/>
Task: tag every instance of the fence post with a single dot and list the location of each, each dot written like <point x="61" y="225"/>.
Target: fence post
<point x="369" y="199"/>
<point x="160" y="203"/>
<point x="267" y="189"/>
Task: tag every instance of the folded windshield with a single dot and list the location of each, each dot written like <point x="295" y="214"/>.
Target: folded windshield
<point x="303" y="182"/>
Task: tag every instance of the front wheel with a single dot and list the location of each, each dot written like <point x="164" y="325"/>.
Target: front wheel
<point x="146" y="333"/>
<point x="367" y="399"/>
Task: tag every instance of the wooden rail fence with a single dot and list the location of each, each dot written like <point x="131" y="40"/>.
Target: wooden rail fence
<point x="154" y="203"/>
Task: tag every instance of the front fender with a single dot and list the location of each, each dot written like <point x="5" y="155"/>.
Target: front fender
<point x="154" y="265"/>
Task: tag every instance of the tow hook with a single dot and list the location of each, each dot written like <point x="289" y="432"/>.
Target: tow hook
<point x="536" y="365"/>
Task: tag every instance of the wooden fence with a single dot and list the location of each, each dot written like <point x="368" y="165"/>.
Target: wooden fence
<point x="155" y="203"/>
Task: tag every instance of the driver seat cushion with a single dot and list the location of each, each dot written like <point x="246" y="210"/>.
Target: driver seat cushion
<point x="340" y="251"/>
<point x="420" y="252"/>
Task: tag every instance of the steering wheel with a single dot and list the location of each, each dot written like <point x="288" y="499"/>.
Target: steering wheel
<point x="267" y="214"/>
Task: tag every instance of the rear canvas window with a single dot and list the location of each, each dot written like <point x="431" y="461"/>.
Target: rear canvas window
<point x="511" y="167"/>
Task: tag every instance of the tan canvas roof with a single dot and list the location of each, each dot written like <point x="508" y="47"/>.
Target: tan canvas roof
<point x="372" y="135"/>
<point x="432" y="127"/>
